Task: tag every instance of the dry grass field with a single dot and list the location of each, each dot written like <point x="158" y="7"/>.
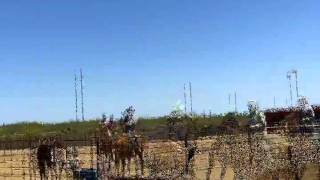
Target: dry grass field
<point x="15" y="164"/>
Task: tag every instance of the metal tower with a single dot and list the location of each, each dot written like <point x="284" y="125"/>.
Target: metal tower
<point x="81" y="84"/>
<point x="295" y="72"/>
<point x="185" y="98"/>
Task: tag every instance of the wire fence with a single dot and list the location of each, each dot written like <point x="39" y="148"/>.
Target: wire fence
<point x="18" y="161"/>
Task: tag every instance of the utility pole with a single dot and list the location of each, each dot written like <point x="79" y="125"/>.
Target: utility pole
<point x="290" y="86"/>
<point x="81" y="83"/>
<point x="229" y="99"/>
<point x="76" y="95"/>
<point x="185" y="98"/>
<point x="274" y="101"/>
<point x="190" y="88"/>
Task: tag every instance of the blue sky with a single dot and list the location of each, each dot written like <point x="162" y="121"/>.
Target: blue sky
<point x="141" y="52"/>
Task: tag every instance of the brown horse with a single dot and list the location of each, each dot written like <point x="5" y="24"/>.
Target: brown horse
<point x="106" y="144"/>
<point x="126" y="148"/>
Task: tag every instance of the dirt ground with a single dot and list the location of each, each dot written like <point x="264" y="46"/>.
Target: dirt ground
<point x="15" y="164"/>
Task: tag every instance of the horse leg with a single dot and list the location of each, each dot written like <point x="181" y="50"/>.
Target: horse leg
<point x="275" y="176"/>
<point x="128" y="166"/>
<point x="41" y="169"/>
<point x="123" y="166"/>
<point x="211" y="165"/>
<point x="34" y="170"/>
<point x="109" y="160"/>
<point x="117" y="164"/>
<point x="141" y="163"/>
<point x="136" y="165"/>
<point x="45" y="171"/>
<point x="223" y="172"/>
<point x="61" y="167"/>
<point x="46" y="174"/>
<point x="103" y="161"/>
<point x="51" y="173"/>
<point x="56" y="171"/>
<point x="41" y="174"/>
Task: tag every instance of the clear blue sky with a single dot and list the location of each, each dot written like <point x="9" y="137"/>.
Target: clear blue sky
<point x="140" y="52"/>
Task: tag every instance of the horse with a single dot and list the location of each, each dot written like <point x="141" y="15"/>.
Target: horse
<point x="51" y="156"/>
<point x="44" y="159"/>
<point x="106" y="145"/>
<point x="127" y="147"/>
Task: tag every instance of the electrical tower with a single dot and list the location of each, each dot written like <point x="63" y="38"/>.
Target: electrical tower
<point x="295" y="72"/>
<point x="81" y="84"/>
<point x="289" y="76"/>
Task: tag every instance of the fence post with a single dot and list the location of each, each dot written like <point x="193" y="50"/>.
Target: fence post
<point x="91" y="153"/>
<point x="11" y="158"/>
<point x="24" y="158"/>
<point x="97" y="140"/>
<point x="29" y="154"/>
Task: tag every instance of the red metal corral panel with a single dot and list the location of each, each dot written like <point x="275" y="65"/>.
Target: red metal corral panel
<point x="274" y="119"/>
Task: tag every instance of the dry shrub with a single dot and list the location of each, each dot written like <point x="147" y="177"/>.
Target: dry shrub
<point x="255" y="157"/>
<point x="248" y="156"/>
<point x="166" y="162"/>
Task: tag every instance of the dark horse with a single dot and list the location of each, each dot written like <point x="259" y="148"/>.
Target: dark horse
<point x="46" y="156"/>
<point x="44" y="159"/>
